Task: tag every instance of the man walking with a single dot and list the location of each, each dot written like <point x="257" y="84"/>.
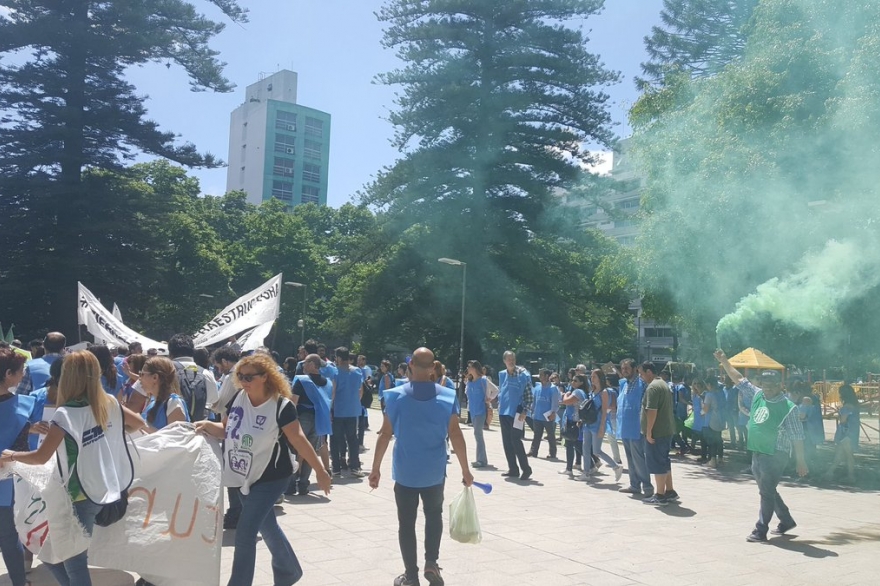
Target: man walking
<point x="658" y="426"/>
<point x="420" y="414"/>
<point x="514" y="402"/>
<point x="774" y="429"/>
<point x="629" y="409"/>
<point x="311" y="395"/>
<point x="546" y="401"/>
<point x="346" y="410"/>
<point x="36" y="371"/>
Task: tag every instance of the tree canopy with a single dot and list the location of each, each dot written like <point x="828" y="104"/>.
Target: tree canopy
<point x="759" y="189"/>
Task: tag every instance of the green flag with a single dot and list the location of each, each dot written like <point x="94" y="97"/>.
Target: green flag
<point x="9" y="335"/>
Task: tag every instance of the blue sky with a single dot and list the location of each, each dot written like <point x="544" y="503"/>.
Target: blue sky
<point x="334" y="46"/>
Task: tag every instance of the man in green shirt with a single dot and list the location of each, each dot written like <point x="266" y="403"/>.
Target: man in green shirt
<point x="658" y="425"/>
<point x="774" y="431"/>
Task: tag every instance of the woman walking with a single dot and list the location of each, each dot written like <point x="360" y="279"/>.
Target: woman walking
<point x="571" y="423"/>
<point x="96" y="472"/>
<point x="476" y="396"/>
<point x="595" y="432"/>
<point x="259" y="422"/>
<point x="16" y="415"/>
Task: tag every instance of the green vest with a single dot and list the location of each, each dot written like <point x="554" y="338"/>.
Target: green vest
<point x="764" y="421"/>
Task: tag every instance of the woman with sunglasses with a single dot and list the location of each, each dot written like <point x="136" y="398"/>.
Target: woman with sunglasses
<point x="259" y="422"/>
<point x="165" y="406"/>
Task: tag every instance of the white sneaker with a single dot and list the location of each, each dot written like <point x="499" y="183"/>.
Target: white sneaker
<point x="566" y="471"/>
<point x="583" y="477"/>
<point x="618" y="472"/>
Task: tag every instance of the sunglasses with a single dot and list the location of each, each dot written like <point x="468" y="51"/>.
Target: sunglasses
<point x="249" y="377"/>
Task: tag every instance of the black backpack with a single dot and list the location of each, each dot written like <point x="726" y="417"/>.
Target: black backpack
<point x="193" y="390"/>
<point x="588" y="412"/>
<point x="367" y="396"/>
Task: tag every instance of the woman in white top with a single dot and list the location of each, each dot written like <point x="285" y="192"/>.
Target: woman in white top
<point x="87" y="435"/>
<point x="259" y="422"/>
<point x="164" y="406"/>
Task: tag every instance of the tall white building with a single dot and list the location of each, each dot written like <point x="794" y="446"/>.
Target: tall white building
<point x="617" y="216"/>
<point x="278" y="148"/>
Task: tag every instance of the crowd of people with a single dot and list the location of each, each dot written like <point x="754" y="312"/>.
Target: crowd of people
<point x="280" y="421"/>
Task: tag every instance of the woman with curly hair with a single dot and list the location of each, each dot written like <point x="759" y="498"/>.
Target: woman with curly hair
<point x="259" y="426"/>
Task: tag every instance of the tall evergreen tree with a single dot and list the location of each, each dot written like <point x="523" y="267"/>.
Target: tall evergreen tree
<point x="698" y="37"/>
<point x="66" y="107"/>
<point x="497" y="99"/>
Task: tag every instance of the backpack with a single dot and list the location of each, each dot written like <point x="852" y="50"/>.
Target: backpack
<point x="588" y="412"/>
<point x="193" y="390"/>
<point x="367" y="395"/>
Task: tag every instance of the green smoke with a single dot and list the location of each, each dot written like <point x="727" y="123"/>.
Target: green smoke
<point x="762" y="182"/>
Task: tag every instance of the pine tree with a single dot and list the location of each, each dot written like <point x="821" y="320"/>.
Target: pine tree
<point x="65" y="107"/>
<point x="497" y="100"/>
<point x="699" y="37"/>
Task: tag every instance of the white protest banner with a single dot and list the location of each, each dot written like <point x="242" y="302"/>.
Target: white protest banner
<point x="248" y="311"/>
<point x="103" y="325"/>
<point x="116" y="313"/>
<point x="171" y="533"/>
<point x="253" y="339"/>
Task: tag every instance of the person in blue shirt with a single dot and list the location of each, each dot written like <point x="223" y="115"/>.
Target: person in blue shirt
<point x="846" y="435"/>
<point x="681" y="398"/>
<point x="476" y="403"/>
<point x="346" y="410"/>
<point x="629" y="427"/>
<point x="514" y="401"/>
<point x="420" y="414"/>
<point x="36" y="371"/>
<point x="109" y="375"/>
<point x="572" y="430"/>
<point x="546" y="400"/>
<point x="698" y="388"/>
<point x="386" y="381"/>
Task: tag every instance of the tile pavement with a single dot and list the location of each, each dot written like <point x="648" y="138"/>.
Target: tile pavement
<point x="556" y="532"/>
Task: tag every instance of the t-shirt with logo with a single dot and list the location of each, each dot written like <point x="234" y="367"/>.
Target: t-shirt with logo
<point x="252" y="444"/>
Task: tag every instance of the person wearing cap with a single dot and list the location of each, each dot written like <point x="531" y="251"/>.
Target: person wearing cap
<point x="312" y="395"/>
<point x="774" y="429"/>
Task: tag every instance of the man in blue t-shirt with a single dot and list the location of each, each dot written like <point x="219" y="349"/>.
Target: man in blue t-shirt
<point x="514" y="403"/>
<point x="346" y="411"/>
<point x="420" y="414"/>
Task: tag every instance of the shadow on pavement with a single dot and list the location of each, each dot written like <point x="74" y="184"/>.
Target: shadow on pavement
<point x="803" y="547"/>
<point x="40" y="576"/>
<point x="677" y="511"/>
<point x="870" y="533"/>
<point x="310" y="499"/>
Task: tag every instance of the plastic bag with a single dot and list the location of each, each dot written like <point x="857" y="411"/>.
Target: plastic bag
<point x="464" y="526"/>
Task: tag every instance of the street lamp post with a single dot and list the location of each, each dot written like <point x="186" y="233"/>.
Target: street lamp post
<point x="305" y="288"/>
<point x="458" y="263"/>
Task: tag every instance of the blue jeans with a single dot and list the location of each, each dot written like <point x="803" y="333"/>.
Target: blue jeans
<point x="595" y="441"/>
<point x="345" y="438"/>
<point x="768" y="471"/>
<point x="479" y="421"/>
<point x="75" y="571"/>
<point x="13" y="553"/>
<point x="638" y="466"/>
<point x="258" y="516"/>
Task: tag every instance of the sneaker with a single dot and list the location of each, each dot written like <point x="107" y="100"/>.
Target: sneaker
<point x="658" y="500"/>
<point x="279" y="500"/>
<point x="577" y="467"/>
<point x="584" y="477"/>
<point x="618" y="473"/>
<point x="525" y="476"/>
<point x="757" y="537"/>
<point x="672" y="496"/>
<point x="533" y="455"/>
<point x="432" y="574"/>
<point x="629" y="490"/>
<point x="358" y="473"/>
<point x="783" y="528"/>
<point x="566" y="471"/>
<point x="478" y="465"/>
<point x="337" y="474"/>
<point x="404" y="580"/>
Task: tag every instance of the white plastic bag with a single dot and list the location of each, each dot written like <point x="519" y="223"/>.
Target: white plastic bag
<point x="464" y="526"/>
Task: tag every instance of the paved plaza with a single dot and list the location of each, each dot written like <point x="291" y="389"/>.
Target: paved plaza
<point x="556" y="532"/>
